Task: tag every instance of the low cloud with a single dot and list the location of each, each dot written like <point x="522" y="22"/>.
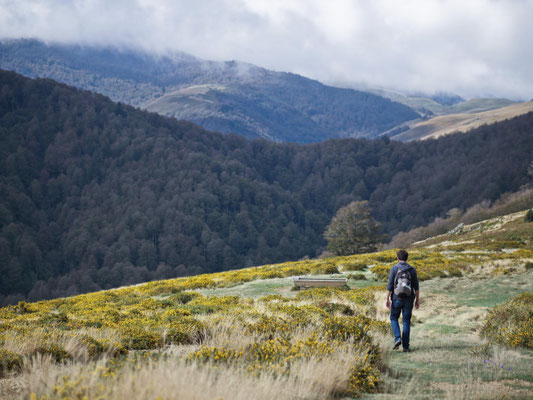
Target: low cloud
<point x="473" y="48"/>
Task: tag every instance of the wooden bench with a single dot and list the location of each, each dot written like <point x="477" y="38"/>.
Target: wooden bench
<point x="319" y="282"/>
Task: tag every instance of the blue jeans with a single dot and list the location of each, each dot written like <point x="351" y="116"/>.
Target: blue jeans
<point x="404" y="306"/>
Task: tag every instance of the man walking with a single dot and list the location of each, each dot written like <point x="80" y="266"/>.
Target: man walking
<point x="402" y="292"/>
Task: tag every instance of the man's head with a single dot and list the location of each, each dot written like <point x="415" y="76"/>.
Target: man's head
<point x="402" y="255"/>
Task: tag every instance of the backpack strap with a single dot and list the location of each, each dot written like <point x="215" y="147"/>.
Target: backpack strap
<point x="395" y="279"/>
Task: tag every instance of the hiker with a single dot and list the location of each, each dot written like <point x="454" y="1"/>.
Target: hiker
<point x="402" y="292"/>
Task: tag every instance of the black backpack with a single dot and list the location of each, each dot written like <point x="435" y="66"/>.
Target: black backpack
<point x="402" y="283"/>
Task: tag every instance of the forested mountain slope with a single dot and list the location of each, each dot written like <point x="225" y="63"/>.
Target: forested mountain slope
<point x="223" y="96"/>
<point x="95" y="194"/>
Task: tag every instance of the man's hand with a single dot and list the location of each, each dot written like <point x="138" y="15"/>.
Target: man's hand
<point x="387" y="304"/>
<point x="416" y="304"/>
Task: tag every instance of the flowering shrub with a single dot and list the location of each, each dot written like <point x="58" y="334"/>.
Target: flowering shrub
<point x="326" y="269"/>
<point x="270" y="326"/>
<point x="277" y="355"/>
<point x="511" y="323"/>
<point x="363" y="296"/>
<point x="94" y="347"/>
<point x="273" y="297"/>
<point x="353" y="266"/>
<point x="183" y="297"/>
<point x="9" y="361"/>
<point x="335" y="308"/>
<point x="137" y="337"/>
<point x="198" y="282"/>
<point x="166" y="287"/>
<point x="58" y="353"/>
<point x="363" y="378"/>
<point x="520" y="253"/>
<point x="341" y="328"/>
<point x="214" y="354"/>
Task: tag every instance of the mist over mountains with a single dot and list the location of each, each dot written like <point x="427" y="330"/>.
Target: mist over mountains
<point x="95" y="194"/>
<point x="223" y="96"/>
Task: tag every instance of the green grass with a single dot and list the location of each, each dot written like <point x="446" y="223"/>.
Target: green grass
<point x="443" y="328"/>
<point x="482" y="290"/>
<point x="283" y="286"/>
<point x="255" y="289"/>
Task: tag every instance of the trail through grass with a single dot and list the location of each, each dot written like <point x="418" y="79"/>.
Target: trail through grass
<point x="448" y="358"/>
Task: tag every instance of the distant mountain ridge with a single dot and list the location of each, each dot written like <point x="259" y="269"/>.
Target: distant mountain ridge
<point x="224" y="96"/>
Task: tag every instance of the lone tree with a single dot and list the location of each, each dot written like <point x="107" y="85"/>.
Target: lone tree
<point x="353" y="230"/>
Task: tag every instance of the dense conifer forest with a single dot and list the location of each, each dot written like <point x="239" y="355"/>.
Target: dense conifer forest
<point x="95" y="194"/>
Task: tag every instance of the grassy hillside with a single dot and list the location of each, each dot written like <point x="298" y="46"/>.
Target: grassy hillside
<point x="438" y="104"/>
<point x="422" y="105"/>
<point x="460" y="122"/>
<point x="246" y="333"/>
<point x="479" y="104"/>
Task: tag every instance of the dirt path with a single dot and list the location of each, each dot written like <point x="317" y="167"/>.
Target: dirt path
<point x="448" y="359"/>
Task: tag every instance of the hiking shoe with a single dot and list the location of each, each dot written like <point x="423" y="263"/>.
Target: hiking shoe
<point x="406" y="350"/>
<point x="397" y="345"/>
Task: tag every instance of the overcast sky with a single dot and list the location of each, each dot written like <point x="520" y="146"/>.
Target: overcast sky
<point x="469" y="47"/>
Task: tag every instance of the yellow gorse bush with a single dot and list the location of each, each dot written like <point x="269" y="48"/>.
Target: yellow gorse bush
<point x="364" y="377"/>
<point x="511" y="324"/>
<point x="282" y="334"/>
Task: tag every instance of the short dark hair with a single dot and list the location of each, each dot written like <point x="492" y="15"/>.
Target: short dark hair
<point x="402" y="255"/>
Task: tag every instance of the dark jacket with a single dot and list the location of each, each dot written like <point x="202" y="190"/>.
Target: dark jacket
<point x="392" y="275"/>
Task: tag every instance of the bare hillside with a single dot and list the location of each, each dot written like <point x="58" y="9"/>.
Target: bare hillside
<point x="461" y="122"/>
